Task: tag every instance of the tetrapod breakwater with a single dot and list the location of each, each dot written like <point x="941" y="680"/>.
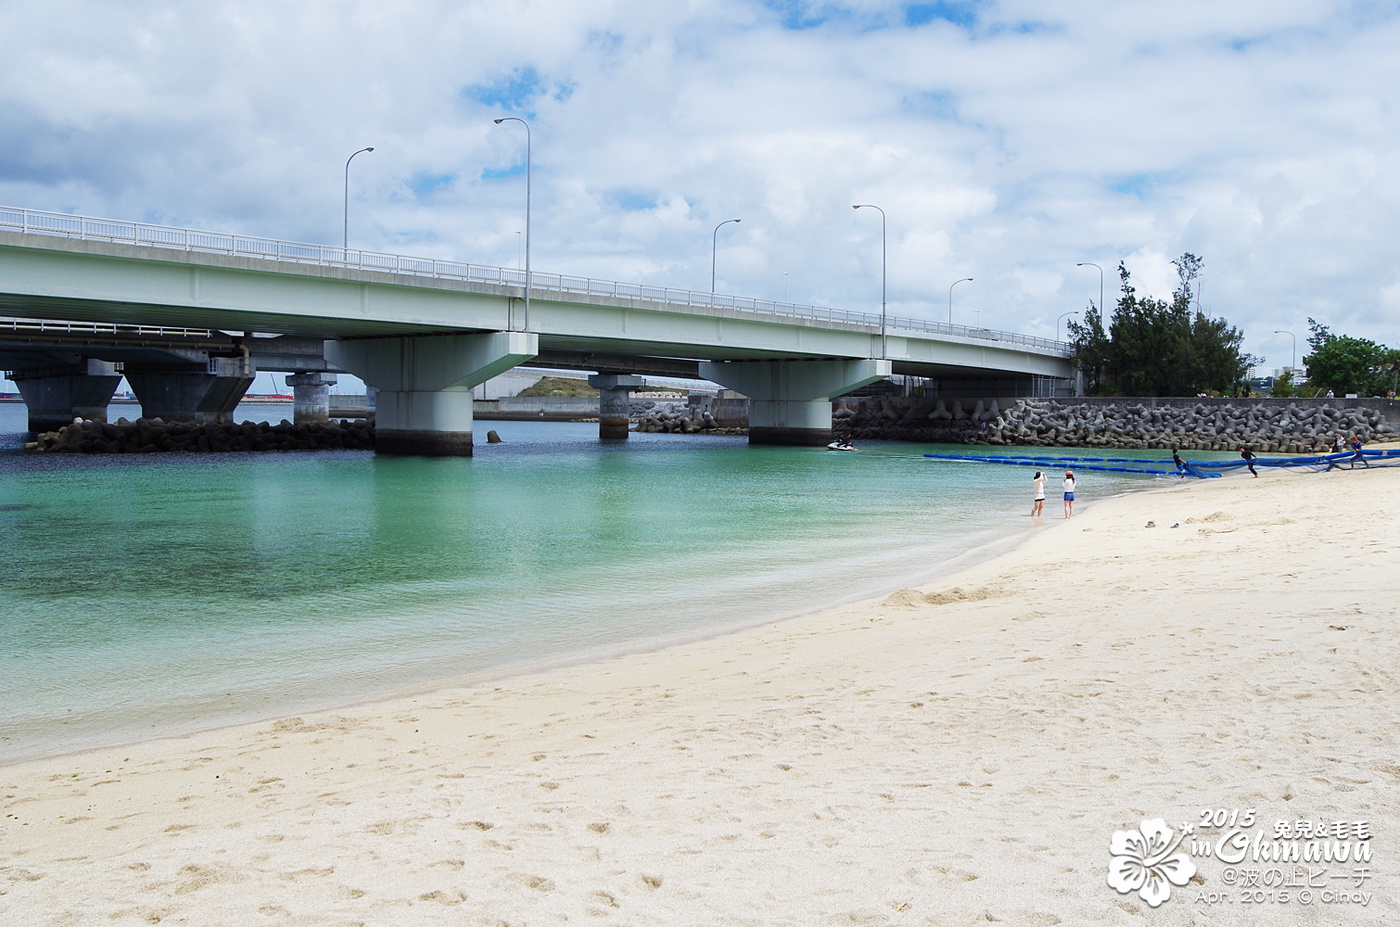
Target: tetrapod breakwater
<point x="1289" y="426"/>
<point x="151" y="436"/>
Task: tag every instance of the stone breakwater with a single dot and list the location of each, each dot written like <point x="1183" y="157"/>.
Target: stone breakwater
<point x="151" y="436"/>
<point x="1266" y="425"/>
<point x="678" y="418"/>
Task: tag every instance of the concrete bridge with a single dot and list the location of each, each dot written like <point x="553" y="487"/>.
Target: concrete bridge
<point x="424" y="332"/>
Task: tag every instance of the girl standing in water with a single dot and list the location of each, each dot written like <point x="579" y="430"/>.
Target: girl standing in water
<point x="1069" y="493"/>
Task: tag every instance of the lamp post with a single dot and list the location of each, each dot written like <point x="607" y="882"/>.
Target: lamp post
<point x="1294" y="362"/>
<point x="345" y="245"/>
<point x="1100" y="270"/>
<point x="527" y="211"/>
<point x="1057" y="321"/>
<point x="884" y="265"/>
<point x="714" y="250"/>
<point x="950" y="296"/>
<point x="787" y="289"/>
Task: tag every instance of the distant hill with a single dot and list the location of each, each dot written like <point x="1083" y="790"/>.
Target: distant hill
<point x="559" y="386"/>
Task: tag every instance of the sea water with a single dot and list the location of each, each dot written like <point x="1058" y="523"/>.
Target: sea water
<point x="147" y="595"/>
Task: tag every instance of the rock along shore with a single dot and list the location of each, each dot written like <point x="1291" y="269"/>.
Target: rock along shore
<point x="150" y="436"/>
<point x="1272" y="425"/>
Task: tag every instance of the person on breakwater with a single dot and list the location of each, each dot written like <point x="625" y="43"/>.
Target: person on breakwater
<point x="1248" y="456"/>
<point x="1069" y="493"/>
<point x="1038" y="504"/>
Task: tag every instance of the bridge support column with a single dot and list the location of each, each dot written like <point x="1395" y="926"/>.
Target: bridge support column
<point x="311" y="396"/>
<point x="424" y="405"/>
<point x="614" y="403"/>
<point x="54" y="396"/>
<point x="790" y="401"/>
<point x="207" y="395"/>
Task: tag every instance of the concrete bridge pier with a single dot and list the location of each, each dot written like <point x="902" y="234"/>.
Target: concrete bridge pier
<point x="311" y="396"/>
<point x="790" y="400"/>
<point x="424" y="405"/>
<point x="202" y="395"/>
<point x="54" y="396"/>
<point x="614" y="403"/>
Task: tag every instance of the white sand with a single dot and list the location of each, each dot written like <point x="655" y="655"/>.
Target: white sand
<point x="877" y="764"/>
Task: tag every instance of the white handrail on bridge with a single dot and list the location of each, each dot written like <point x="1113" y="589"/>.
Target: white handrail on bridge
<point x="38" y="222"/>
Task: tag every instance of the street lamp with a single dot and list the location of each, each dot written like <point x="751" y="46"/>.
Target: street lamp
<point x="884" y="265"/>
<point x="950" y="296"/>
<point x="345" y="245"/>
<point x="714" y="248"/>
<point x="1057" y="321"/>
<point x="527" y="211"/>
<point x="1294" y="362"/>
<point x="1100" y="270"/>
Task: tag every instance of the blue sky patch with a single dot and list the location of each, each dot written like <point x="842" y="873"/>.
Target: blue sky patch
<point x="499" y="173"/>
<point x="511" y="92"/>
<point x="958" y="12"/>
<point x="799" y="14"/>
<point x="424" y="183"/>
<point x="934" y="104"/>
<point x="633" y="202"/>
<point x="1132" y="185"/>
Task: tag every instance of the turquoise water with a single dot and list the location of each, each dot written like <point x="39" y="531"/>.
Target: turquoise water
<point x="155" y="594"/>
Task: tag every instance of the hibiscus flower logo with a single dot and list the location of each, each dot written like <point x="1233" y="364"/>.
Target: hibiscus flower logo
<point x="1144" y="861"/>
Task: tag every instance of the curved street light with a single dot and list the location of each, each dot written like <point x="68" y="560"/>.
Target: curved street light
<point x="345" y="244"/>
<point x="1057" y="321"/>
<point x="1100" y="270"/>
<point x="884" y="265"/>
<point x="527" y="211"/>
<point x="950" y="296"/>
<point x="714" y="248"/>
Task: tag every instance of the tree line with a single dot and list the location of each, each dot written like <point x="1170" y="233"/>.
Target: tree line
<point x="1155" y="347"/>
<point x="1343" y="364"/>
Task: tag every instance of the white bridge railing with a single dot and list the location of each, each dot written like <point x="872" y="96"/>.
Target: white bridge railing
<point x="37" y="222"/>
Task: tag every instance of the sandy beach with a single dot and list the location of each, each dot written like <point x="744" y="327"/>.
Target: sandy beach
<point x="961" y="753"/>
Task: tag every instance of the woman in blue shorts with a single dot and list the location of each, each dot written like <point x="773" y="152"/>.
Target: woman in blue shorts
<point x="1069" y="493"/>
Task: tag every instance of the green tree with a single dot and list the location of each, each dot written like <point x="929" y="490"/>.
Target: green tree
<point x="1392" y="367"/>
<point x="1157" y="348"/>
<point x="1283" y="386"/>
<point x="1090" y="345"/>
<point x="1345" y="364"/>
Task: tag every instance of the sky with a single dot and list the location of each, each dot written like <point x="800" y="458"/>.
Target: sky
<point x="1005" y="141"/>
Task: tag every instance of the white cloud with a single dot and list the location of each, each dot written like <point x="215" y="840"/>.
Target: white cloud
<point x="1256" y="134"/>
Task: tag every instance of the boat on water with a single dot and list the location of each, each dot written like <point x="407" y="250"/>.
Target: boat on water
<point x="839" y="446"/>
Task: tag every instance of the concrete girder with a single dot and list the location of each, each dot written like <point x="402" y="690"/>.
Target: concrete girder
<point x="55" y="396"/>
<point x="424" y="404"/>
<point x="207" y="394"/>
<point x="790" y="401"/>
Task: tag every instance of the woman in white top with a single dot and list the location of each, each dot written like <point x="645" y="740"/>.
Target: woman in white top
<point x="1039" y="503"/>
<point x="1069" y="493"/>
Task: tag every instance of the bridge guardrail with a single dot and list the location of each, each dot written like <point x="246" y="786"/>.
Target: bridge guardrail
<point x="40" y="222"/>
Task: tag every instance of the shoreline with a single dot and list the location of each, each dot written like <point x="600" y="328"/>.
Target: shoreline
<point x="533" y="666"/>
<point x="964" y="756"/>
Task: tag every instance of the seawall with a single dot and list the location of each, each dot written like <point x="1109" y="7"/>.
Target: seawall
<point x="1295" y="426"/>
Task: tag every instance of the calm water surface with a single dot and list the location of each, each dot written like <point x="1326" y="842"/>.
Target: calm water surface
<point x="147" y="595"/>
